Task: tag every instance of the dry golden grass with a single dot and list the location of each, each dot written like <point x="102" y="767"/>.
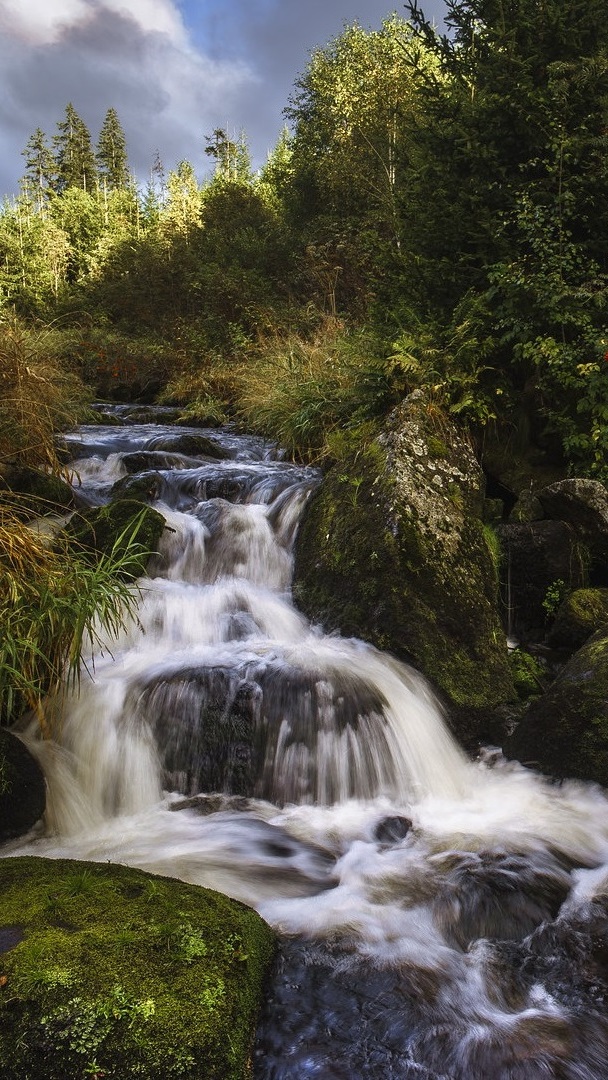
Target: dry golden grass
<point x="39" y="395"/>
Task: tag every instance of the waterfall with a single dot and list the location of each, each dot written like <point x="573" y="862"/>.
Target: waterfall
<point x="224" y="740"/>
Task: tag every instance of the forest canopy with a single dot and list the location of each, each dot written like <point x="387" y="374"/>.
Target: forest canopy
<point x="433" y="215"/>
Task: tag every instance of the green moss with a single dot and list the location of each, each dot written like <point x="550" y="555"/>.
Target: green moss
<point x="582" y="613"/>
<point x="106" y="529"/>
<point x="367" y="568"/>
<point x="121" y="974"/>
<point x="38" y="492"/>
<point x="529" y="676"/>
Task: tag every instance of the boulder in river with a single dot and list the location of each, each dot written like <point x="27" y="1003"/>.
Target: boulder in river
<point x="392" y="549"/>
<point x="101" y="530"/>
<point x="565" y="733"/>
<point x="108" y="971"/>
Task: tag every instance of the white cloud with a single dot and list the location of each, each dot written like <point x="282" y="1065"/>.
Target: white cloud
<point x="45" y="22"/>
<point x="39" y="22"/>
<point x="135" y="56"/>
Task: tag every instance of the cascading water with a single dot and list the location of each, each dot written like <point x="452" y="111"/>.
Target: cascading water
<point x="439" y="919"/>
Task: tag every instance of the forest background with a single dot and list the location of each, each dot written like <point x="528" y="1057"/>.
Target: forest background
<point x="434" y="216"/>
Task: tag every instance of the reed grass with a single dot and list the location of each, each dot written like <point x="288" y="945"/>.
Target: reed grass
<point x="56" y="609"/>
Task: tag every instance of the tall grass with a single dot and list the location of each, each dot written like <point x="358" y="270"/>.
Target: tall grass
<point x="39" y="394"/>
<point x="55" y="610"/>
<point x="299" y="391"/>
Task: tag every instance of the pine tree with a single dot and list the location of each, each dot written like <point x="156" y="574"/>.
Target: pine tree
<point x="74" y="153"/>
<point x="39" y="169"/>
<point x="112" y="153"/>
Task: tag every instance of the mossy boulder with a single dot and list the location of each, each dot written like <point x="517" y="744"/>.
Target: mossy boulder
<point x="102" y="530"/>
<point x="22" y="787"/>
<point x="578" y="617"/>
<point x="529" y="675"/>
<point x="111" y="972"/>
<point x="565" y="733"/>
<point x="392" y="549"/>
<point x="38" y="492"/>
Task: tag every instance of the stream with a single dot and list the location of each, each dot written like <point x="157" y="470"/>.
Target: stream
<point x="439" y="918"/>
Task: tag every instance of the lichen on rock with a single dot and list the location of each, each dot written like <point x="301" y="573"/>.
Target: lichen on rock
<point x="392" y="549"/>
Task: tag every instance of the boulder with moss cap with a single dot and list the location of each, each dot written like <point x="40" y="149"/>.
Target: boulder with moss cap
<point x="392" y="549"/>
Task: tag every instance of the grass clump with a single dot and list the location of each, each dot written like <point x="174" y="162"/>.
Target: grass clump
<point x="299" y="390"/>
<point x="55" y="608"/>
<point x="39" y="395"/>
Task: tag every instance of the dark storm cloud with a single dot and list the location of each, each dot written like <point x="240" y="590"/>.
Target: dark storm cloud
<point x="167" y="94"/>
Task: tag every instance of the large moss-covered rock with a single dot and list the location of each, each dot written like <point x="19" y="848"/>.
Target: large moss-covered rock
<point x="37" y="492"/>
<point x="565" y="733"/>
<point x="393" y="550"/>
<point x="579" y="616"/>
<point x="101" y="530"/>
<point x="110" y="972"/>
<point x="22" y="787"/>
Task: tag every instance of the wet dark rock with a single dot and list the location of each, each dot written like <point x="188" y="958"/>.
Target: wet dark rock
<point x="105" y="529"/>
<point x="535" y="557"/>
<point x="145" y="488"/>
<point x="497" y="895"/>
<point x="392" y="830"/>
<point x="22" y="787"/>
<point x="37" y="492"/>
<point x="584" y="505"/>
<point x="565" y="733"/>
<point x="191" y="445"/>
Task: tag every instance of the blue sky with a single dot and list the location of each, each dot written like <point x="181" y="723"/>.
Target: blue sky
<point x="173" y="69"/>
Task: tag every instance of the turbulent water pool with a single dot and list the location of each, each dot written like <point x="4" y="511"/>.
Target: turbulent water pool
<point x="439" y="919"/>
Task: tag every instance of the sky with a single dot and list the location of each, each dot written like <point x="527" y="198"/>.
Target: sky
<point x="174" y="70"/>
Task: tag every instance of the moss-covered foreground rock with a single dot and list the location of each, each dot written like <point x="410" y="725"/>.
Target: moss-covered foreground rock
<point x="565" y="733"/>
<point x="113" y="973"/>
<point x="102" y="530"/>
<point x="393" y="550"/>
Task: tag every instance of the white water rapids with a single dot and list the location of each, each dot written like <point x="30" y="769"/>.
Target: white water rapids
<point x="442" y="919"/>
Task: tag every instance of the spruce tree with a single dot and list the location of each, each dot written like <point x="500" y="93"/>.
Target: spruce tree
<point x="74" y="153"/>
<point x="112" y="153"/>
<point x="39" y="174"/>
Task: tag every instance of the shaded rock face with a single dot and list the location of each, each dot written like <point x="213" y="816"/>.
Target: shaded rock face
<point x="565" y="733"/>
<point x="392" y="550"/>
<point x="113" y="972"/>
<point x="536" y="555"/>
<point x="584" y="504"/>
<point x="37" y="492"/>
<point x="22" y="788"/>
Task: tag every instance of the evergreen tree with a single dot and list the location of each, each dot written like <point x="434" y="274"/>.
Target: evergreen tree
<point x="39" y="169"/>
<point x="112" y="153"/>
<point x="74" y="153"/>
<point x="232" y="161"/>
